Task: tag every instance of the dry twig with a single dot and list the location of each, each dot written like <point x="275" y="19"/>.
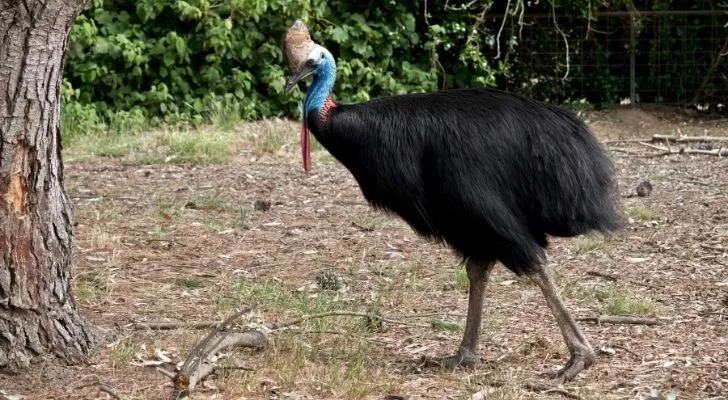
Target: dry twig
<point x="615" y="319"/>
<point x="175" y="325"/>
<point x="108" y="390"/>
<point x="617" y="346"/>
<point x="604" y="275"/>
<point x="687" y="139"/>
<point x="716" y="152"/>
<point x="546" y="390"/>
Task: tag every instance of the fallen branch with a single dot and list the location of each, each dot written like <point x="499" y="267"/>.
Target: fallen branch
<point x="604" y="275"/>
<point x="614" y="141"/>
<point x="688" y="139"/>
<point x="175" y="325"/>
<point x="546" y="390"/>
<point x="611" y="319"/>
<point x="616" y="346"/>
<point x="652" y="146"/>
<point x="108" y="390"/>
<point x="717" y="152"/>
<point x="626" y="151"/>
<point x="711" y="247"/>
<point x="202" y="360"/>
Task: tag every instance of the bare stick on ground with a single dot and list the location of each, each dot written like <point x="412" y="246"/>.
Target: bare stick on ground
<point x="546" y="390"/>
<point x="609" y="319"/>
<point x="160" y="326"/>
<point x="687" y="139"/>
<point x="202" y="360"/>
<point x="109" y="390"/>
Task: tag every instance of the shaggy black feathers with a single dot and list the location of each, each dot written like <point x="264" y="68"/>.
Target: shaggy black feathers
<point x="488" y="172"/>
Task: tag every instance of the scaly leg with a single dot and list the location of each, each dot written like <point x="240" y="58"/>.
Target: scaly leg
<point x="582" y="355"/>
<point x="468" y="352"/>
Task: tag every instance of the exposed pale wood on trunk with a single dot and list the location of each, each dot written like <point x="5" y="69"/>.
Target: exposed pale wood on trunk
<point x="38" y="315"/>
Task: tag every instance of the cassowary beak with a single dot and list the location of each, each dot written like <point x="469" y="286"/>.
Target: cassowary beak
<point x="302" y="73"/>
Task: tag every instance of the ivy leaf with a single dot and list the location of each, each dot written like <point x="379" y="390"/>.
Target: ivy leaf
<point x="339" y="35"/>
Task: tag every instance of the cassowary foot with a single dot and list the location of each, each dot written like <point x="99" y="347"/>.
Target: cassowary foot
<point x="581" y="360"/>
<point x="460" y="359"/>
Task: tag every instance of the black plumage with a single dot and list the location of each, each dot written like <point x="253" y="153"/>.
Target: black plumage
<point x="487" y="172"/>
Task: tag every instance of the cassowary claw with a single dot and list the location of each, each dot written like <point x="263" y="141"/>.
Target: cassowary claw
<point x="580" y="361"/>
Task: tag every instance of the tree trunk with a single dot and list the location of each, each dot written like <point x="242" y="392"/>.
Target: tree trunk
<point x="38" y="315"/>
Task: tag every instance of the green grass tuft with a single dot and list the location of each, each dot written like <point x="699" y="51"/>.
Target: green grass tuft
<point x="460" y="277"/>
<point x="643" y="214"/>
<point x="589" y="244"/>
<point x="369" y="222"/>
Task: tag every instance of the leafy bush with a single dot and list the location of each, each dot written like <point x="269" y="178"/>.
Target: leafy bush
<point x="132" y="63"/>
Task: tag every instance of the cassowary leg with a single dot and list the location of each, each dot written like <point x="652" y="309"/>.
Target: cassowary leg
<point x="468" y="352"/>
<point x="582" y="355"/>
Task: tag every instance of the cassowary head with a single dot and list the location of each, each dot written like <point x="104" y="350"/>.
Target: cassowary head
<point x="304" y="56"/>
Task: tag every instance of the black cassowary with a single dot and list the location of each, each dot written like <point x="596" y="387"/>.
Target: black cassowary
<point x="489" y="173"/>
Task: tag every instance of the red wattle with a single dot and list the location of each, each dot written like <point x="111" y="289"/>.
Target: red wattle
<point x="305" y="147"/>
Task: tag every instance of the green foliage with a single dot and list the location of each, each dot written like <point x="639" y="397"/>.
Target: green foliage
<point x="136" y="63"/>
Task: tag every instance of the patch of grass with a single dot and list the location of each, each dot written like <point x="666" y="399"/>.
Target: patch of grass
<point x="219" y="226"/>
<point x="101" y="239"/>
<point x="460" y="277"/>
<point x="368" y="222"/>
<point x="123" y="353"/>
<point x="271" y="138"/>
<point x="208" y="202"/>
<point x="615" y="302"/>
<point x="197" y="147"/>
<point x="223" y="114"/>
<point x="166" y="212"/>
<point x="339" y="366"/>
<point x="191" y="283"/>
<point x="157" y="233"/>
<point x="446" y="326"/>
<point x="624" y="304"/>
<point x="643" y="214"/>
<point x="277" y="297"/>
<point x="589" y="244"/>
<point x="90" y="284"/>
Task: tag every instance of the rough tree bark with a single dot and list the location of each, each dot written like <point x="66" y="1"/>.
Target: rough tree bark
<point x="38" y="315"/>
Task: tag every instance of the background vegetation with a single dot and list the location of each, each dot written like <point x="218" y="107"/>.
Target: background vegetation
<point x="135" y="63"/>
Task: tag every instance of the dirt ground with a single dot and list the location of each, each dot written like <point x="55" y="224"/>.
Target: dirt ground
<point x="170" y="243"/>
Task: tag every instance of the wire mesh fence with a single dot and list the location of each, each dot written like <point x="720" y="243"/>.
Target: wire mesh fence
<point x="667" y="57"/>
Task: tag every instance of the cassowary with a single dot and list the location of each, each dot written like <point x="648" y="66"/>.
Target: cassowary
<point x="488" y="173"/>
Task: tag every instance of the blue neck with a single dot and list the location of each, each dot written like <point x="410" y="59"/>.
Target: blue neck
<point x="321" y="87"/>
